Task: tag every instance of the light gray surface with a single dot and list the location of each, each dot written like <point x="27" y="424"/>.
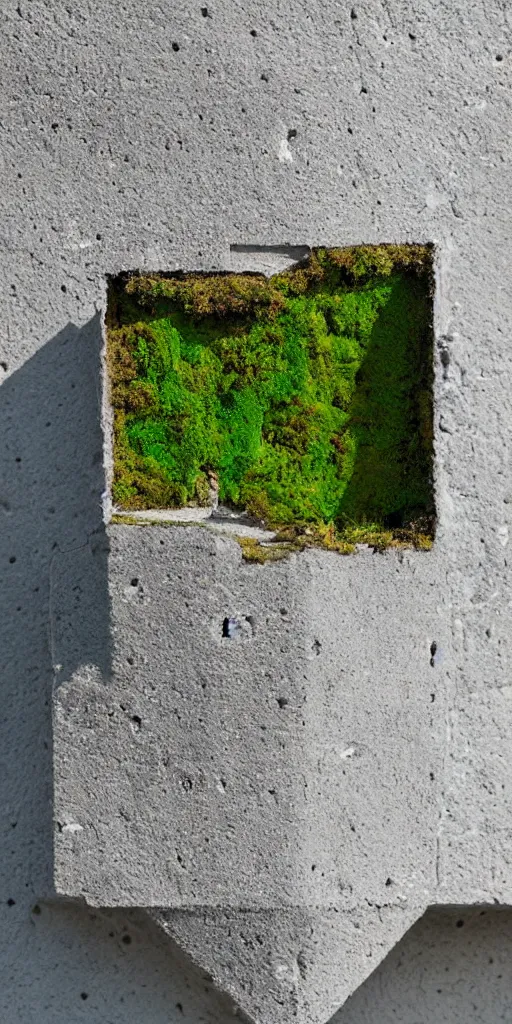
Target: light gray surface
<point x="289" y="769"/>
<point x="170" y="157"/>
<point x="292" y="764"/>
<point x="290" y="965"/>
<point x="453" y="966"/>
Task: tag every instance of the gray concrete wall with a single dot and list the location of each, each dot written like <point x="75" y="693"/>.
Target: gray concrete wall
<point x="454" y="965"/>
<point x="141" y="135"/>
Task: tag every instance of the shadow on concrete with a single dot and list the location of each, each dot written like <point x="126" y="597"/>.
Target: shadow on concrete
<point x="123" y="972"/>
<point x="391" y="415"/>
<point x="453" y="965"/>
<point x="51" y="482"/>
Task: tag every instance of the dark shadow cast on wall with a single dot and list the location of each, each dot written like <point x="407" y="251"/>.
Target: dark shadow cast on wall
<point x="52" y="479"/>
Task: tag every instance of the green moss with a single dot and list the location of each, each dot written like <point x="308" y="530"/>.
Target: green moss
<point x="344" y="541"/>
<point x="294" y="539"/>
<point x="125" y="519"/>
<point x="254" y="551"/>
<point x="307" y="396"/>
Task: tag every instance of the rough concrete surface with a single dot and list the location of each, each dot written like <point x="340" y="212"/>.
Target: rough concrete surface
<point x="455" y="961"/>
<point x="289" y="769"/>
<point x="142" y="136"/>
<point x="253" y="770"/>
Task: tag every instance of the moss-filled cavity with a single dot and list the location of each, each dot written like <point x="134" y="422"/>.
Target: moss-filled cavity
<point x="305" y="399"/>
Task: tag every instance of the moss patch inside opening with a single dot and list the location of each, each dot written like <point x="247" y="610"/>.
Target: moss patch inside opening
<point x="305" y="399"/>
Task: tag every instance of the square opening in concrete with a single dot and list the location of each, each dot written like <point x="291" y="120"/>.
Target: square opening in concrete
<point x="300" y="403"/>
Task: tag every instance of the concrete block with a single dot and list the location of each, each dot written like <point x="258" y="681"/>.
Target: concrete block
<point x="286" y="773"/>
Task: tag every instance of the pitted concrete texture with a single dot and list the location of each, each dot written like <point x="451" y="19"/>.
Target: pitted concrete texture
<point x="290" y="768"/>
<point x="289" y="965"/>
<point x="453" y="966"/>
<point x="294" y="763"/>
<point x="137" y="136"/>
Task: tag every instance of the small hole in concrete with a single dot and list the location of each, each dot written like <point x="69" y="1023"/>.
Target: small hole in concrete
<point x="175" y="47"/>
<point x="127" y="939"/>
<point x="253" y="33"/>
<point x="460" y="924"/>
<point x="3" y="366"/>
<point x="499" y="57"/>
<point x="432" y="776"/>
<point x="179" y="1005"/>
<point x="433" y="650"/>
<point x="292" y="134"/>
<point x="353" y="14"/>
<point x="230" y="628"/>
<point x="389" y="881"/>
<point x="283" y="701"/>
<point x="412" y="37"/>
<point x="137" y="723"/>
<point x="444" y="356"/>
<point x="264" y="78"/>
<point x="134" y="582"/>
<point x="84" y="996"/>
<point x="63" y="288"/>
<point x="36" y="909"/>
<point x="11" y="902"/>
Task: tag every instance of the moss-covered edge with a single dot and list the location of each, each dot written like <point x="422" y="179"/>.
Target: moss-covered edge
<point x="294" y="539"/>
<point x="224" y="293"/>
